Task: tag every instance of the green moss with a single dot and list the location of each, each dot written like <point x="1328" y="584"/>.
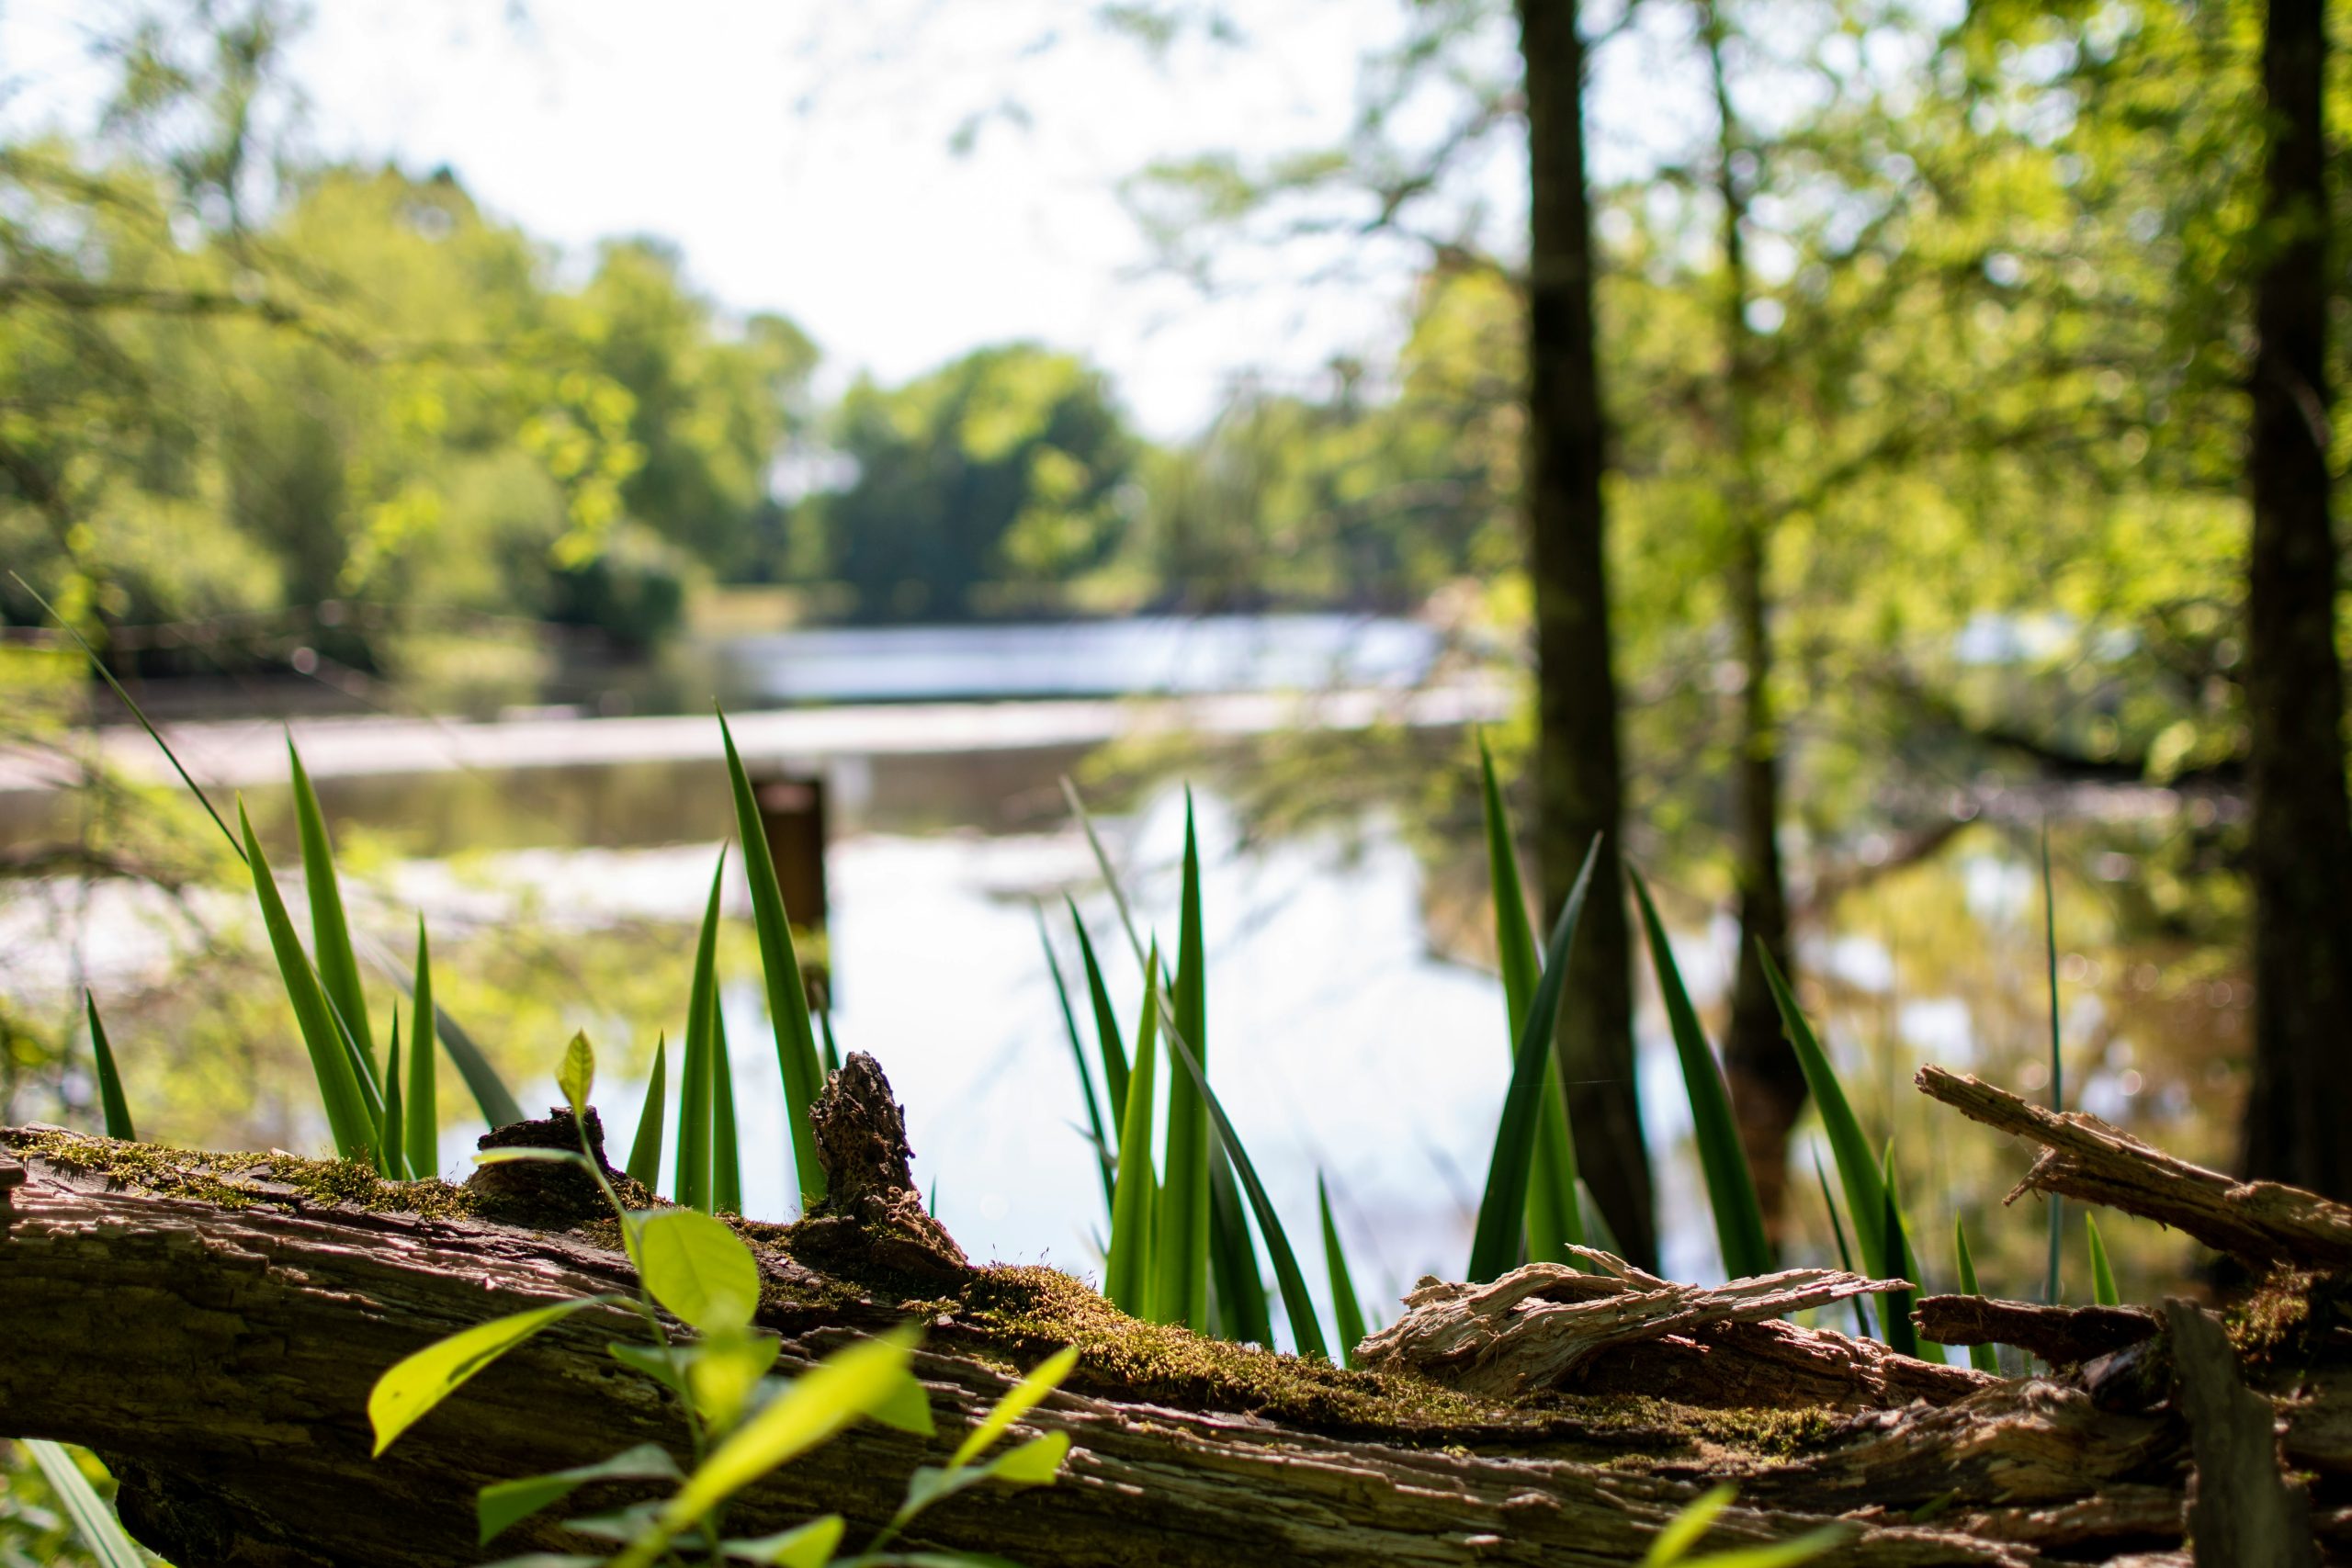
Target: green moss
<point x="2272" y="1327"/>
<point x="1025" y="1313"/>
<point x="242" y="1181"/>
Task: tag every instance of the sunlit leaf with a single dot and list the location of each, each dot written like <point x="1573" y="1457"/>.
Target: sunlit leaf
<point x="1018" y="1401"/>
<point x="1683" y="1531"/>
<point x="696" y="1083"/>
<point x="330" y="932"/>
<point x="410" y="1387"/>
<point x="100" y="1530"/>
<point x="577" y="1077"/>
<point x="1128" y="1261"/>
<point x="697" y="1269"/>
<point x="118" y="1110"/>
<point x="723" y="1369"/>
<point x="421" y="1120"/>
<point x="810" y="1546"/>
<point x="2103" y="1290"/>
<point x="1346" y="1311"/>
<point x="645" y="1149"/>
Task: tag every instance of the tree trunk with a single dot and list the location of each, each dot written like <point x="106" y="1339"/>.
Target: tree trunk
<point x="1768" y="1088"/>
<point x="2301" y="828"/>
<point x="1578" y="784"/>
<point x="211" y="1326"/>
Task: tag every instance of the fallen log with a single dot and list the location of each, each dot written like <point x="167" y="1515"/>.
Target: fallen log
<point x="211" y="1324"/>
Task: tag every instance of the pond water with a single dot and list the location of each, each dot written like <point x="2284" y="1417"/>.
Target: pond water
<point x="1355" y="1030"/>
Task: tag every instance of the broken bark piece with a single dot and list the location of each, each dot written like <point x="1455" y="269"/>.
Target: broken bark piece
<point x="547" y="1193"/>
<point x="2084" y="1157"/>
<point x="1542" y="1326"/>
<point x="871" y="1219"/>
<point x="2064" y="1337"/>
<point x="2242" y="1511"/>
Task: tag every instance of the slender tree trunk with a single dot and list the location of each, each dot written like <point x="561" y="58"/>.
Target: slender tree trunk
<point x="1767" y="1085"/>
<point x="2301" y="831"/>
<point x="1579" y="787"/>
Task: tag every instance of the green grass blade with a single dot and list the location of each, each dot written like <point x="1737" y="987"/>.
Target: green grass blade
<point x="1731" y="1192"/>
<point x="1183" y="1264"/>
<point x="1297" y="1305"/>
<point x="395" y="1138"/>
<point x="2054" y="1281"/>
<point x="1858" y="1169"/>
<point x="1103" y="858"/>
<point x="330" y="931"/>
<point x="1845" y="1256"/>
<point x="1895" y="1312"/>
<point x="1106" y="1017"/>
<point x="696" y="1086"/>
<point x="348" y="1118"/>
<point x="423" y="1126"/>
<point x="1981" y="1357"/>
<point x="498" y="1105"/>
<point x="1078" y="1054"/>
<point x="1554" y="1220"/>
<point x="795" y="1043"/>
<point x="100" y="1530"/>
<point x="645" y="1149"/>
<point x="726" y="1155"/>
<point x="825" y="1028"/>
<point x="1240" y="1302"/>
<point x="111" y="1100"/>
<point x="1128" y="1264"/>
<point x="1347" y="1311"/>
<point x="1502" y="1211"/>
<point x="137" y="712"/>
<point x="2103" y="1290"/>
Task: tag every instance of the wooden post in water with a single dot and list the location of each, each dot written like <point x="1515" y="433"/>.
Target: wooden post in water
<point x="792" y="817"/>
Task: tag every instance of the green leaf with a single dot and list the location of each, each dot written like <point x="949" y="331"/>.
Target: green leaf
<point x="348" y="1117"/>
<point x="1858" y="1171"/>
<point x="1554" y="1218"/>
<point x="904" y="1409"/>
<point x="330" y="932"/>
<point x="413" y="1385"/>
<point x="1981" y="1357"/>
<point x="1844" y="1257"/>
<point x="577" y="1077"/>
<point x="723" y="1369"/>
<point x="663" y="1363"/>
<point x="1674" y="1542"/>
<point x="1346" y="1311"/>
<point x="1901" y="1336"/>
<point x="697" y="1269"/>
<point x="1777" y="1554"/>
<point x="1298" y="1305"/>
<point x="1502" y="1211"/>
<point x="421" y="1122"/>
<point x="726" y="1153"/>
<point x="645" y="1149"/>
<point x="1128" y="1264"/>
<point x="1181" y="1270"/>
<point x="1033" y="1464"/>
<point x="100" y="1530"/>
<point x="1731" y="1192"/>
<point x="796" y="1046"/>
<point x="1238" y="1303"/>
<point x="2103" y="1290"/>
<point x="1106" y="1017"/>
<point x="524" y="1154"/>
<point x="505" y="1503"/>
<point x="498" y="1105"/>
<point x="118" y="1113"/>
<point x="1023" y="1397"/>
<point x="697" y="1083"/>
<point x="1078" y="1054"/>
<point x="810" y="1546"/>
<point x="394" y="1162"/>
<point x="840" y="1389"/>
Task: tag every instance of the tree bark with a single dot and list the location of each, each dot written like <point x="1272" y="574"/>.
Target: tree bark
<point x="2302" y="828"/>
<point x="1768" y="1087"/>
<point x="1579" y="784"/>
<point x="211" y="1326"/>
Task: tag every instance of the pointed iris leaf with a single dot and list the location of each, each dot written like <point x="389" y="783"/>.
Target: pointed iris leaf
<point x="118" y="1110"/>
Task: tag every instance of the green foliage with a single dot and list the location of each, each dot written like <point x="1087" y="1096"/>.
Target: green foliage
<point x="118" y="1113"/>
<point x="338" y="967"/>
<point x="697" y="1093"/>
<point x="1739" y="1220"/>
<point x="1495" y="1246"/>
<point x="410" y="1389"/>
<point x="645" y="1149"/>
<point x="97" y="1523"/>
<point x="1181" y="1277"/>
<point x="1554" y="1221"/>
<point x="1980" y="1356"/>
<point x="1078" y="1054"/>
<point x="1347" y="1312"/>
<point x="2054" y="1281"/>
<point x="1130" y="1269"/>
<point x="696" y="1268"/>
<point x="796" y="1044"/>
<point x="422" y="1111"/>
<point x="2103" y="1290"/>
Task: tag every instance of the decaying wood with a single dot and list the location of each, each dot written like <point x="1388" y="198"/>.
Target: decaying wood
<point x="2242" y="1512"/>
<point x="1547" y="1326"/>
<point x="2082" y="1156"/>
<point x="2064" y="1337"/>
<point x="211" y="1326"/>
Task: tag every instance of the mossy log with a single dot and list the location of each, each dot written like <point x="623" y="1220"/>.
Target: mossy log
<point x="210" y="1325"/>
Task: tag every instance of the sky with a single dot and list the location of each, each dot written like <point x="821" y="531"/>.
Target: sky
<point x="806" y="160"/>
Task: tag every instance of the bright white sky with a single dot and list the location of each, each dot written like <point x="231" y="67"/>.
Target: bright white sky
<point x="802" y="157"/>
